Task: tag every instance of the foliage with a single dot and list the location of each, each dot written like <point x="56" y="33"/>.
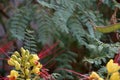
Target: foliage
<point x="40" y="23"/>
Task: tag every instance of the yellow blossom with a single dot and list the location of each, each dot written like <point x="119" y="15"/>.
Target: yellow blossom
<point x="115" y="76"/>
<point x="34" y="59"/>
<point x="112" y="67"/>
<point x="36" y="70"/>
<point x="35" y="56"/>
<point x="95" y="76"/>
<point x="13" y="75"/>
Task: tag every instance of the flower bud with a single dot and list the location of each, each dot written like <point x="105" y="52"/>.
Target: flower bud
<point x="14" y="57"/>
<point x="11" y="62"/>
<point x="17" y="54"/>
<point x="27" y="65"/>
<point x="17" y="65"/>
<point x="27" y="52"/>
<point x="22" y="51"/>
<point x="30" y="57"/>
<point x="27" y="71"/>
<point x="19" y="60"/>
<point x="25" y="58"/>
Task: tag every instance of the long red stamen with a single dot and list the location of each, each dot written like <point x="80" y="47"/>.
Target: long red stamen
<point x="4" y="52"/>
<point x="54" y="57"/>
<point x="6" y="47"/>
<point x="3" y="59"/>
<point x="44" y="53"/>
<point x="79" y="74"/>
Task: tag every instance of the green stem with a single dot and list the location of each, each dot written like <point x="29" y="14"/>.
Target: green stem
<point x="108" y="76"/>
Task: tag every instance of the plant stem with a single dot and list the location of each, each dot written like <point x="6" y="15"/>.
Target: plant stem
<point x="108" y="76"/>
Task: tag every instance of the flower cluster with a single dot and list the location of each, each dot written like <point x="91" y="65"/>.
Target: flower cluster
<point x="113" y="72"/>
<point x="26" y="65"/>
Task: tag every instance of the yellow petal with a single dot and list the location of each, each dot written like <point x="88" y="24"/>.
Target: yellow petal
<point x="94" y="75"/>
<point x="27" y="71"/>
<point x="115" y="76"/>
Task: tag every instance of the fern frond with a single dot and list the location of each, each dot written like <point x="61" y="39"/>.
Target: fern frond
<point x="88" y="16"/>
<point x="30" y="41"/>
<point x="76" y="29"/>
<point x="18" y="23"/>
<point x="67" y="58"/>
<point x="60" y="20"/>
<point x="63" y="11"/>
<point x="57" y="4"/>
<point x="46" y="28"/>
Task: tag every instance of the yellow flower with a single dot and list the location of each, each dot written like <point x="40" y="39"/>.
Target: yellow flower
<point x="95" y="76"/>
<point x="112" y="67"/>
<point x="115" y="76"/>
<point x="13" y="75"/>
<point x="34" y="59"/>
<point x="36" y="70"/>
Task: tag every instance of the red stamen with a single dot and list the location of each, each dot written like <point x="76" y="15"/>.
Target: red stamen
<point x="44" y="53"/>
<point x="79" y="74"/>
<point x="54" y="57"/>
<point x="3" y="59"/>
<point x="4" y="52"/>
